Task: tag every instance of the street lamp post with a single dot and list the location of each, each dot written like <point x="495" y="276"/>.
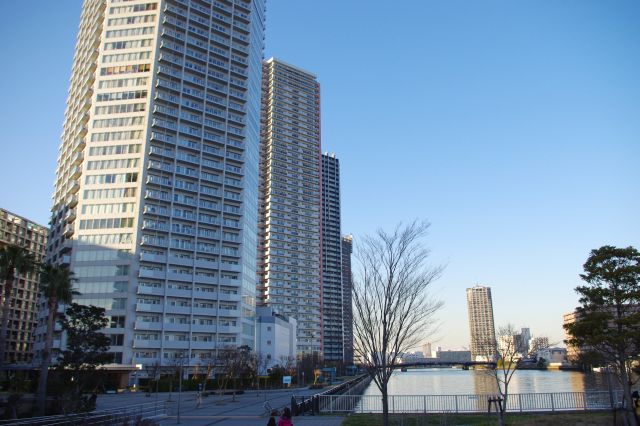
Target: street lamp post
<point x="181" y="360"/>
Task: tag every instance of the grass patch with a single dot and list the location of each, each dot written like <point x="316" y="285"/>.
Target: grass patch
<point x="542" y="419"/>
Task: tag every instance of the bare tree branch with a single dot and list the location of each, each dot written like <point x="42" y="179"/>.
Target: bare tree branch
<point x="393" y="311"/>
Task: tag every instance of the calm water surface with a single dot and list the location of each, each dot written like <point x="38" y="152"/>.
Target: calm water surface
<point x="452" y="381"/>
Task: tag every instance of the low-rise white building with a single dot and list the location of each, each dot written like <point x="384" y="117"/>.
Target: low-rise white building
<point x="276" y="339"/>
<point x="553" y="355"/>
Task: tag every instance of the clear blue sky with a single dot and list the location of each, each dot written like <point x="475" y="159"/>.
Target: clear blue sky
<point x="513" y="127"/>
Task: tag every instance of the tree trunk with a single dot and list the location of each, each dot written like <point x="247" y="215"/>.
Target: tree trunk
<point x="6" y="307"/>
<point x="46" y="359"/>
<point x="385" y="406"/>
<point x="629" y="407"/>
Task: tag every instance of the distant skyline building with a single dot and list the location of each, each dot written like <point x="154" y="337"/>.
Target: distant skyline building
<point x="289" y="250"/>
<point x="23" y="319"/>
<point x="347" y="307"/>
<point x="481" y="323"/>
<point x="332" y="297"/>
<point x="155" y="201"/>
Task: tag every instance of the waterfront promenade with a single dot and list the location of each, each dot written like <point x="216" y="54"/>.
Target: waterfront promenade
<point x="248" y="409"/>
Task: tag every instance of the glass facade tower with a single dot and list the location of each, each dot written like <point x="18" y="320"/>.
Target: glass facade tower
<point x="155" y="202"/>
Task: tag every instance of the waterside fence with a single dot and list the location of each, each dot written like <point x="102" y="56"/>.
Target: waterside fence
<point x="315" y="404"/>
<point x="119" y="416"/>
<point x="519" y="402"/>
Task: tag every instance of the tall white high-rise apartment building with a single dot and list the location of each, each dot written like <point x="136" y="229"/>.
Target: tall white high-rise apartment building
<point x="290" y="200"/>
<point x="481" y="324"/>
<point x="155" y="203"/>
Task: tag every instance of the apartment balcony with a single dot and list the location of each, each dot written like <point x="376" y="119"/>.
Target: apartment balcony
<point x="77" y="158"/>
<point x="229" y="313"/>
<point x="76" y="172"/>
<point x="183" y="310"/>
<point x="144" y="325"/>
<point x="82" y="131"/>
<point x="147" y="307"/>
<point x="231" y="267"/>
<point x="175" y="292"/>
<point x="157" y="291"/>
<point x="70" y="215"/>
<point x="203" y="345"/>
<point x="228" y="329"/>
<point x="79" y="145"/>
<point x="206" y="295"/>
<point x="230" y="281"/>
<point x="68" y="230"/>
<point x="179" y="277"/>
<point x="229" y="297"/>
<point x="155" y="344"/>
<point x="74" y="187"/>
<point x="147" y="257"/>
<point x="204" y="311"/>
<point x="151" y="273"/>
<point x="204" y="263"/>
<point x="203" y="279"/>
<point x="176" y="327"/>
<point x="182" y="261"/>
<point x="66" y="245"/>
<point x="176" y="344"/>
<point x="203" y="328"/>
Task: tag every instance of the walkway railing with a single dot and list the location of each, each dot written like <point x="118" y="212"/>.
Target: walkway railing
<point x="122" y="415"/>
<point x="314" y="404"/>
<point x="522" y="402"/>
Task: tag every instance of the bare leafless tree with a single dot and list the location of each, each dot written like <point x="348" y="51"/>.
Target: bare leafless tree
<point x="393" y="311"/>
<point x="508" y="359"/>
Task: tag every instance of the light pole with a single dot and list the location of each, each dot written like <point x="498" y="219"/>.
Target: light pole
<point x="179" y="389"/>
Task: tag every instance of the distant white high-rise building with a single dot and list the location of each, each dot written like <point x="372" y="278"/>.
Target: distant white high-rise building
<point x="155" y="202"/>
<point x="481" y="324"/>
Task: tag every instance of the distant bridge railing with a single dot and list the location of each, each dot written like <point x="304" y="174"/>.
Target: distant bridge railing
<point x="521" y="402"/>
<point x="465" y="364"/>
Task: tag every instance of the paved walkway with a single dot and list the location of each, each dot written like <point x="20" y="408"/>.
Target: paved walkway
<point x="247" y="409"/>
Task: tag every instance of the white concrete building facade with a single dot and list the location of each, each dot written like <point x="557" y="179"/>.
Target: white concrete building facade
<point x="155" y="202"/>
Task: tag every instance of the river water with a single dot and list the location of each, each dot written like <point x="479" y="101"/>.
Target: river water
<point x="453" y="381"/>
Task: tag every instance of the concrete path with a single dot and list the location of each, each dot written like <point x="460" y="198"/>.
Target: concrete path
<point x="248" y="409"/>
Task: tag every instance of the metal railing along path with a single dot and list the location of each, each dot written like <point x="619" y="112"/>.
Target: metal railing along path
<point x="522" y="402"/>
<point x="121" y="415"/>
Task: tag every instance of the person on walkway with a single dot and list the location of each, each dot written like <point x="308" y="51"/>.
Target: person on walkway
<point x="285" y="418"/>
<point x="272" y="419"/>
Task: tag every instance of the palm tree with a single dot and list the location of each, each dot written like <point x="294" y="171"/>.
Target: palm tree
<point x="14" y="260"/>
<point x="56" y="285"/>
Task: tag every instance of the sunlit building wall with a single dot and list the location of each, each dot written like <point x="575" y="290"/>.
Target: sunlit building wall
<point x="155" y="201"/>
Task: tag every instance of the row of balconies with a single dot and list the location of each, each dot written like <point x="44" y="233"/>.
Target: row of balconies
<point x="194" y="328"/>
<point x="186" y="310"/>
<point x="173" y="292"/>
<point x="174" y="344"/>
<point x="198" y="263"/>
<point x="161" y="275"/>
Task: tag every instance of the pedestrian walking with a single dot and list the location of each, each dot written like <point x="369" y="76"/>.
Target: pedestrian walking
<point x="285" y="418"/>
<point x="272" y="419"/>
<point x="198" y="399"/>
